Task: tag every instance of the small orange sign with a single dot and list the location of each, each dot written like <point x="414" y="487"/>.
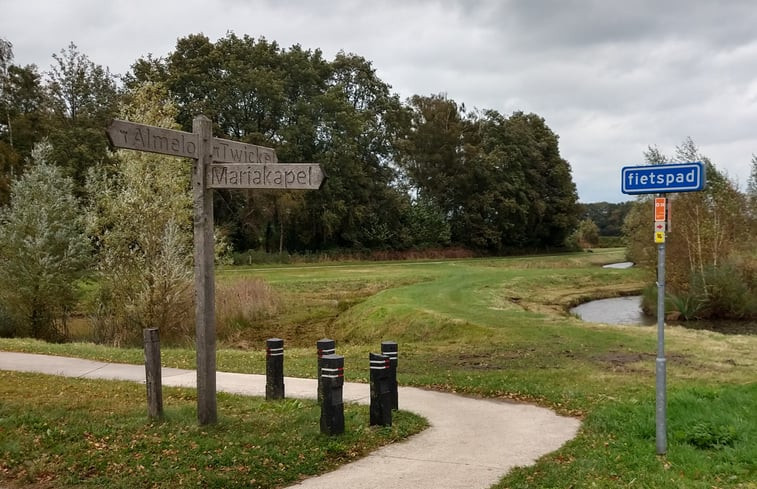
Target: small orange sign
<point x="660" y="203"/>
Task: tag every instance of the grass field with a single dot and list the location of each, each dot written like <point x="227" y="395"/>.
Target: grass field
<point x="87" y="433"/>
<point x="497" y="328"/>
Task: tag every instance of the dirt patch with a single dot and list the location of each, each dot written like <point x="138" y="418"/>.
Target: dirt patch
<point x="628" y="361"/>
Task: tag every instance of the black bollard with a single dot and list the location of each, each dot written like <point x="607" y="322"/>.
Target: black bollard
<point x="389" y="348"/>
<point x="153" y="376"/>
<point x="325" y="346"/>
<point x="332" y="386"/>
<point x="274" y="369"/>
<point x="381" y="400"/>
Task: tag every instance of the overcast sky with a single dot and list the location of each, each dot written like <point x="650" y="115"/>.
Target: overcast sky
<point x="609" y="77"/>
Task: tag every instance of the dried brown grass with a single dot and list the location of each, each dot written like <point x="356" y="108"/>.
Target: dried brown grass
<point x="241" y="302"/>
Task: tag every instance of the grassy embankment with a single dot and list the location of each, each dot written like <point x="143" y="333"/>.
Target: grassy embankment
<point x="497" y="328"/>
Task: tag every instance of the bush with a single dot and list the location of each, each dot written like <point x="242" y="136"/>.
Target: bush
<point x="725" y="292"/>
<point x="150" y="290"/>
<point x="688" y="306"/>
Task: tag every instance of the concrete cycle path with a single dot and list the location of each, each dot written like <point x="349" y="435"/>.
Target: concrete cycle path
<point x="471" y="443"/>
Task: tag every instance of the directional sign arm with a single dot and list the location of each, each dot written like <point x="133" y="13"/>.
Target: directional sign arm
<point x="141" y="137"/>
<point x="283" y="176"/>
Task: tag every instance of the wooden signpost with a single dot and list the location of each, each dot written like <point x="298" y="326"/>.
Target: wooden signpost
<point x="217" y="163"/>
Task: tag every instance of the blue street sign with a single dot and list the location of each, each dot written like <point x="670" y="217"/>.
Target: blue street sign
<point x="661" y="179"/>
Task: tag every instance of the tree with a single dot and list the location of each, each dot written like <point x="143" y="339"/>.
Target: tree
<point x="23" y="106"/>
<point x="500" y="180"/>
<point x="607" y="216"/>
<point x="355" y="137"/>
<point x="338" y="113"/>
<point x="84" y="96"/>
<point x="140" y="217"/>
<point x="43" y="250"/>
<point x="587" y="234"/>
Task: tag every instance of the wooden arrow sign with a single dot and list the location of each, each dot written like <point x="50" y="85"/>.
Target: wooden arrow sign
<point x="283" y="176"/>
<point x="141" y="137"/>
<point x="130" y="135"/>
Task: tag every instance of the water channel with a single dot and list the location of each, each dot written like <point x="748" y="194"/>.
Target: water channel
<point x="618" y="310"/>
<point x="627" y="311"/>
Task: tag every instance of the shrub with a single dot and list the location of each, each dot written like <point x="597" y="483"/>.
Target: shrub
<point x="688" y="306"/>
<point x="725" y="292"/>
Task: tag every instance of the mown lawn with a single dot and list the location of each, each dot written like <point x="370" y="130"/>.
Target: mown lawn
<point x="497" y="328"/>
<point x="60" y="432"/>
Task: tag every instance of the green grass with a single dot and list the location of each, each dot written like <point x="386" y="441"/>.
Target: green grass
<point x="86" y="433"/>
<point x="712" y="442"/>
<point x="498" y="328"/>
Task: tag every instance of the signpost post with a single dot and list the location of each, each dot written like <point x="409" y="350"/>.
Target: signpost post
<point x="662" y="179"/>
<point x="217" y="163"/>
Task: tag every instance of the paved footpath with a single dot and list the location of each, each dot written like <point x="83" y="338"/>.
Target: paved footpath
<point x="470" y="444"/>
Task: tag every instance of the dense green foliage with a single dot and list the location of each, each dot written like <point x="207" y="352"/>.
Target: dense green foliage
<point x="420" y="174"/>
<point x="607" y="216"/>
<point x="68" y="105"/>
<point x="501" y="181"/>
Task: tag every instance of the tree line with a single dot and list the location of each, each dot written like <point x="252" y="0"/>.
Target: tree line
<point x="425" y="172"/>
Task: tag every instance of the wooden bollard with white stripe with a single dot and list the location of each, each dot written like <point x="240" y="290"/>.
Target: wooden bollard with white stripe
<point x="381" y="400"/>
<point x="332" y="398"/>
<point x="389" y="348"/>
<point x="325" y="346"/>
<point x="274" y="369"/>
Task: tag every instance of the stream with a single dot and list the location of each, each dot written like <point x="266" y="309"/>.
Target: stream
<point x="627" y="311"/>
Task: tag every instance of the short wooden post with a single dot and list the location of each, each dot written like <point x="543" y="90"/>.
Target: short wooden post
<point x="154" y="380"/>
<point x="205" y="327"/>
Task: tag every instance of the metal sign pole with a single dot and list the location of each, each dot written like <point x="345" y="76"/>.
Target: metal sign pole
<point x="660" y="368"/>
<point x="660" y="179"/>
